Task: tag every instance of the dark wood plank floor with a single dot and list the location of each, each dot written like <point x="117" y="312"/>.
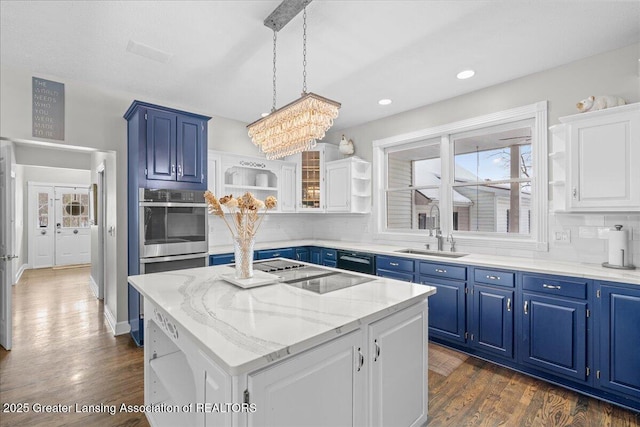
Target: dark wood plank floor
<point x="64" y="354"/>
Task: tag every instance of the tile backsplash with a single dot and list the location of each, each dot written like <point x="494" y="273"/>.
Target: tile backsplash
<point x="572" y="237"/>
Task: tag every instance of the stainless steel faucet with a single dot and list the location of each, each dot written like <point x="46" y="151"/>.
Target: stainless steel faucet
<point x="452" y="242"/>
<point x="437" y="226"/>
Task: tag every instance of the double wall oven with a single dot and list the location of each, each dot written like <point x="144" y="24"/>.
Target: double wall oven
<point x="172" y="235"/>
<point x="172" y="230"/>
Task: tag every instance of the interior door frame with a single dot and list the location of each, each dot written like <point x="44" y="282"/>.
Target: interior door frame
<point x="7" y="222"/>
<point x="101" y="216"/>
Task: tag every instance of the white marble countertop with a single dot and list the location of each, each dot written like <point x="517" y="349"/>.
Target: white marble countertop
<point x="246" y="329"/>
<point x="564" y="268"/>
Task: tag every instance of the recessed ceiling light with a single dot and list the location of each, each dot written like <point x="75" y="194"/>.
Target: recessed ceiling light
<point x="465" y="74"/>
<point x="264" y="114"/>
<point x="384" y="101"/>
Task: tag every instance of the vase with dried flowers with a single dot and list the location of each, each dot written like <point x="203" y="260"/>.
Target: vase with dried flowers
<point x="245" y="221"/>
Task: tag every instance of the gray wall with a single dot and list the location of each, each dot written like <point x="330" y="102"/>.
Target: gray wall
<point x="611" y="73"/>
<point x="93" y="118"/>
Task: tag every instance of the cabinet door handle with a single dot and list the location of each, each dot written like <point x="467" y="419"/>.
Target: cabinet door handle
<point x="173" y="169"/>
<point x="276" y="254"/>
<point x="375" y="359"/>
<point x="575" y="192"/>
<point x="360" y="359"/>
<point x="180" y="170"/>
<point x="508" y="304"/>
<point x="395" y="264"/>
<point x="544" y="285"/>
<point x="43" y="232"/>
<point x="440" y="270"/>
<point x="493" y="277"/>
<point x="526" y="307"/>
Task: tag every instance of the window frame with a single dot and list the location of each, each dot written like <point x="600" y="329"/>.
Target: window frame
<point x="537" y="240"/>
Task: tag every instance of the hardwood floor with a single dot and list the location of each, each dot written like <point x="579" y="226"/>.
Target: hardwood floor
<point x="64" y="354"/>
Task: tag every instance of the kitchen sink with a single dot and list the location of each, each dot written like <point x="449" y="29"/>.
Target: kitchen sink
<point x="432" y="253"/>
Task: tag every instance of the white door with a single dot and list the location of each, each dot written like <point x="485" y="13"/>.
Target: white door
<point x="73" y="237"/>
<point x="41" y="223"/>
<point x="338" y="186"/>
<point x="287" y="196"/>
<point x="321" y="387"/>
<point x="398" y="368"/>
<point x="6" y="244"/>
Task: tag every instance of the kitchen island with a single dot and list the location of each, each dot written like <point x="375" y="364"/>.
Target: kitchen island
<point x="282" y="354"/>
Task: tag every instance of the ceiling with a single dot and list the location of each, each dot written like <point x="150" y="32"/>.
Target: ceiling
<point x="220" y="53"/>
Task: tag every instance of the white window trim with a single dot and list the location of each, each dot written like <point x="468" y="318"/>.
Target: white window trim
<point x="536" y="241"/>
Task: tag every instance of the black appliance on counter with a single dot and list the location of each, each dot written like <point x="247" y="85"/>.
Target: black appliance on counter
<point x="357" y="261"/>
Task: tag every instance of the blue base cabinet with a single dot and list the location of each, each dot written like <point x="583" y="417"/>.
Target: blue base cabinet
<point x="554" y="325"/>
<point x="329" y="257"/>
<point x="618" y="368"/>
<point x="448" y="307"/>
<point x="395" y="268"/>
<point x="491" y="319"/>
<point x="315" y="255"/>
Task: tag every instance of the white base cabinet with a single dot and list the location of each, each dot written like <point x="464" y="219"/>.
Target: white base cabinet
<point x="594" y="161"/>
<point x="375" y="375"/>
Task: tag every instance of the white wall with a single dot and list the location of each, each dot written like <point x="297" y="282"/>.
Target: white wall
<point x="611" y="73"/>
<point x="93" y="118"/>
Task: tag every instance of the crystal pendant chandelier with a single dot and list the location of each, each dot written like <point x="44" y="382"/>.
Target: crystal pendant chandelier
<point x="298" y="125"/>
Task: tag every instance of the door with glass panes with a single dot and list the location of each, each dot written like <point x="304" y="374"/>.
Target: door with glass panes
<point x="72" y="223"/>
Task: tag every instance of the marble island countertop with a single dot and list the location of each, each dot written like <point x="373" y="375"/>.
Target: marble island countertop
<point x="246" y="329"/>
<point x="546" y="266"/>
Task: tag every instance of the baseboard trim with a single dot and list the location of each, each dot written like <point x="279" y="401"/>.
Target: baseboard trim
<point x="118" y="328"/>
<point x="18" y="274"/>
<point x="93" y="286"/>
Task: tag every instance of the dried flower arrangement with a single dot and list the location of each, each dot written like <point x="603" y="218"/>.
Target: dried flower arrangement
<point x="246" y="220"/>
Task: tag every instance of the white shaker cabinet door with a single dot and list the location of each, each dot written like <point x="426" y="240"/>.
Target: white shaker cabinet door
<point x="338" y="188"/>
<point x="398" y="369"/>
<point x="604" y="156"/>
<point x="287" y="198"/>
<point x="322" y="387"/>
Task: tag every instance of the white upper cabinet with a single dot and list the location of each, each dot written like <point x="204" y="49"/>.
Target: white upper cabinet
<point x="348" y="186"/>
<point x="310" y="186"/>
<point x="600" y="153"/>
<point x="235" y="174"/>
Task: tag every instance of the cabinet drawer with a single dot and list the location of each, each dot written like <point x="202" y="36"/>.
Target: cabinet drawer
<point x="443" y="270"/>
<point x="554" y="285"/>
<point x="275" y="253"/>
<point x="221" y="259"/>
<point x="494" y="277"/>
<point x="395" y="264"/>
<point x="329" y="254"/>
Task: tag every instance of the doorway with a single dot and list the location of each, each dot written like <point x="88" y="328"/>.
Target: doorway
<point x="59" y="224"/>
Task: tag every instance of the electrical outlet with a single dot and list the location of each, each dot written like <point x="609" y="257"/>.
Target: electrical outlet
<point x="563" y="236"/>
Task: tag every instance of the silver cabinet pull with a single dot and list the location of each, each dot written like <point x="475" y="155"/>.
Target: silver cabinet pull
<point x="179" y="170"/>
<point x="375" y="359"/>
<point x="276" y="254"/>
<point x="173" y="169"/>
<point x="575" y="192"/>
<point x="493" y="277"/>
<point x="43" y="232"/>
<point x="75" y="231"/>
<point x="526" y="307"/>
<point x="544" y="285"/>
<point x="395" y="264"/>
<point x="440" y="270"/>
<point x="508" y="304"/>
<point x="360" y="359"/>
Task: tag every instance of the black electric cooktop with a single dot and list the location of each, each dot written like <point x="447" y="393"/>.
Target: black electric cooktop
<point x="312" y="278"/>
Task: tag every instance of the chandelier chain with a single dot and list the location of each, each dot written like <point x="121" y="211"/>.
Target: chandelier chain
<point x="304" y="50"/>
<point x="275" y="38"/>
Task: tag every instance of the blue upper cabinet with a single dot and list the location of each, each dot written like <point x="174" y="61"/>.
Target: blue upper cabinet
<point x="167" y="147"/>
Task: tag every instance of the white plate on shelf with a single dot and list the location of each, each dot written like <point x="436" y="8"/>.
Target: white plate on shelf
<point x="260" y="278"/>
